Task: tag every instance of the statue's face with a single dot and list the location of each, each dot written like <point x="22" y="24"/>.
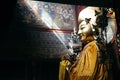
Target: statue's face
<point x="85" y="30"/>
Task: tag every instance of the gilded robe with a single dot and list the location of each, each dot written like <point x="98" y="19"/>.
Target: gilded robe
<point x="87" y="66"/>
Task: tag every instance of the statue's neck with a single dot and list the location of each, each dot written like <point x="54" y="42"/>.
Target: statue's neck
<point x="88" y="39"/>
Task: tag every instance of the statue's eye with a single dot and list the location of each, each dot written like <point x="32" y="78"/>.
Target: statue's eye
<point x="111" y="12"/>
<point x="82" y="28"/>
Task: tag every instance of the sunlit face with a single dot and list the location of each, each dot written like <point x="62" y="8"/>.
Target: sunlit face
<point x="111" y="12"/>
<point x="85" y="30"/>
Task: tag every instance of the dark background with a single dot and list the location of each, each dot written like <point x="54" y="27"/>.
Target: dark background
<point x="13" y="65"/>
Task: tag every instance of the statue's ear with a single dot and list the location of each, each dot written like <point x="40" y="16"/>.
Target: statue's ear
<point x="87" y="20"/>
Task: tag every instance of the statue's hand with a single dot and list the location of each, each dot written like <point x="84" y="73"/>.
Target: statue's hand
<point x="65" y="57"/>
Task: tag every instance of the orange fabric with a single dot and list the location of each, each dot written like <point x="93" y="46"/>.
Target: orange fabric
<point x="63" y="69"/>
<point x="87" y="67"/>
